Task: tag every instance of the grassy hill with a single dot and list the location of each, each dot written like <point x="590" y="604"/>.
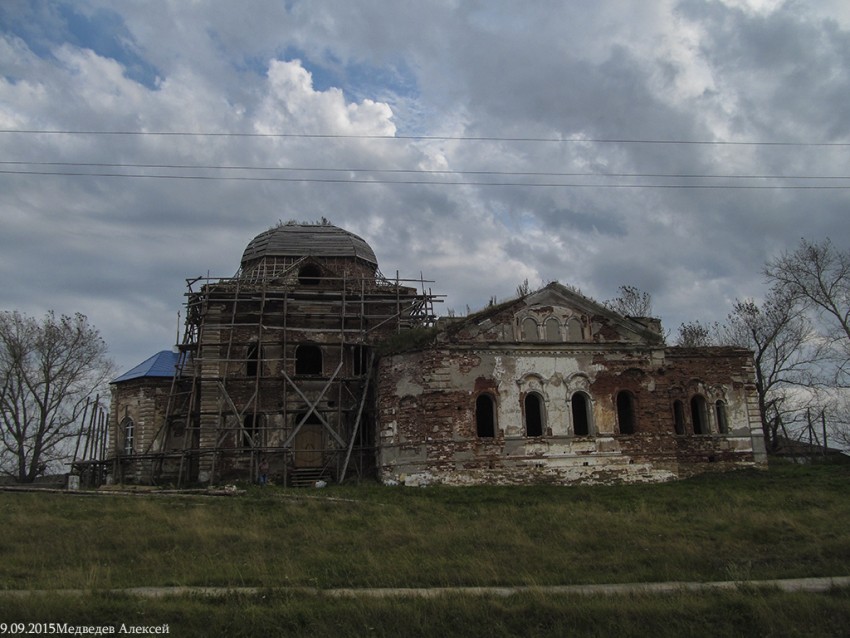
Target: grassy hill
<point x="787" y="522"/>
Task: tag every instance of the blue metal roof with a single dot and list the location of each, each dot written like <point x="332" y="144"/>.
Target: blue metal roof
<point x="159" y="365"/>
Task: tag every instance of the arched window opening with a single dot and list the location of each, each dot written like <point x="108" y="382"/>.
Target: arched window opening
<point x="626" y="412"/>
<point x="553" y="329"/>
<point x="679" y="417"/>
<point x="252" y="361"/>
<point x="129" y="434"/>
<point x="533" y="414"/>
<point x="308" y="359"/>
<point x="309" y="275"/>
<point x="722" y="420"/>
<point x="699" y="415"/>
<point x="250" y="429"/>
<point x="574" y="332"/>
<point x="485" y="416"/>
<point x="580" y="405"/>
<point x="529" y="330"/>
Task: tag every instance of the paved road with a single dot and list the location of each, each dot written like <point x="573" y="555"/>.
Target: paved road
<point x="788" y="584"/>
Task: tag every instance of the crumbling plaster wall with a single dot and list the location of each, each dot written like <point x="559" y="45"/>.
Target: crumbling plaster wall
<point x="427" y="428"/>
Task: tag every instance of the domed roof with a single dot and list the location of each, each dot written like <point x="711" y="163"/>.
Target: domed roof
<point x="308" y="240"/>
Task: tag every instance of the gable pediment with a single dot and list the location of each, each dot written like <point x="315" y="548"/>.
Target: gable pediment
<point x="553" y="314"/>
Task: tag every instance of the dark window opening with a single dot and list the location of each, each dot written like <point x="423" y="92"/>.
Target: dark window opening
<point x="485" y="416"/>
<point x="581" y="414"/>
<point x="365" y="435"/>
<point x="698" y="415"/>
<point x="361" y="360"/>
<point x="250" y="429"/>
<point x="308" y="359"/>
<point x="252" y="361"/>
<point x="533" y="415"/>
<point x="626" y="412"/>
<point x="309" y="275"/>
<point x="312" y="419"/>
<point x="679" y="417"/>
<point x="722" y="421"/>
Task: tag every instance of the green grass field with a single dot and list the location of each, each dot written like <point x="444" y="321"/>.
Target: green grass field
<point x="787" y="522"/>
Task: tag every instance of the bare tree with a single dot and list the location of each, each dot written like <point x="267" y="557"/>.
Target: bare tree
<point x="817" y="275"/>
<point x="697" y="335"/>
<point x="47" y="370"/>
<point x="780" y="336"/>
<point x="631" y="302"/>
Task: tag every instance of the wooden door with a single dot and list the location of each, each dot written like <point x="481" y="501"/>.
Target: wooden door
<point x="308" y="446"/>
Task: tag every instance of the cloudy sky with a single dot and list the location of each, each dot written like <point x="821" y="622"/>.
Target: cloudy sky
<point x="670" y="145"/>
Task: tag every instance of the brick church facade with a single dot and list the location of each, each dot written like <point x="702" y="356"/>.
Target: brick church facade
<point x="313" y="362"/>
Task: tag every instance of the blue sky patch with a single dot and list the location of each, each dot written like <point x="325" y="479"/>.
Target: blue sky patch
<point x="43" y="26"/>
<point x="104" y="33"/>
<point x="358" y="81"/>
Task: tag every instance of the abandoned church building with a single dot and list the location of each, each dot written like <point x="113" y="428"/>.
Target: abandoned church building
<point x="311" y="362"/>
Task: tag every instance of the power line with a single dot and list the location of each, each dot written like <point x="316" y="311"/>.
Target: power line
<point x="418" y="171"/>
<point x="443" y="138"/>
<point x="424" y="182"/>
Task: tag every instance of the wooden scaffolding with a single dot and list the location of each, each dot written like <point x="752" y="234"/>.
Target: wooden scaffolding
<point x="276" y="365"/>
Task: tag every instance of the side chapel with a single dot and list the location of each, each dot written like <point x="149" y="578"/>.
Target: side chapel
<point x="554" y="387"/>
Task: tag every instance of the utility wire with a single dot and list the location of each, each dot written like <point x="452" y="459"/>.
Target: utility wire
<point x="444" y="138"/>
<point x="417" y="171"/>
<point x="421" y="182"/>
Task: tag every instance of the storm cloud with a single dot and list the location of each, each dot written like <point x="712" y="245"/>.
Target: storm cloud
<point x="674" y="146"/>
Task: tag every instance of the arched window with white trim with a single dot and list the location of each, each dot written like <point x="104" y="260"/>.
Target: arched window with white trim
<point x="581" y="413"/>
<point x="129" y="429"/>
<point x="553" y="329"/>
<point x="722" y="418"/>
<point x="699" y="414"/>
<point x="574" y="331"/>
<point x="530" y="329"/>
<point x="534" y="414"/>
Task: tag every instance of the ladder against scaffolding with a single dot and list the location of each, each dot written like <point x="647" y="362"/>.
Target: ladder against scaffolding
<point x="90" y="463"/>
